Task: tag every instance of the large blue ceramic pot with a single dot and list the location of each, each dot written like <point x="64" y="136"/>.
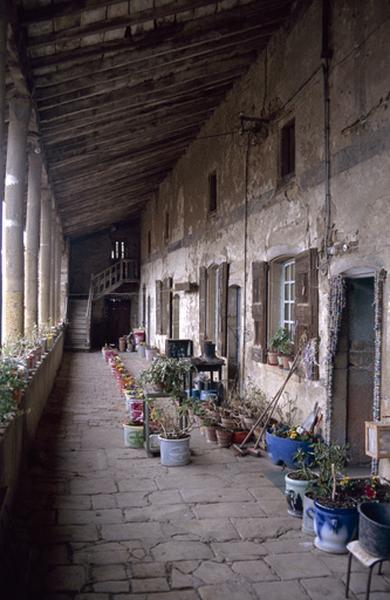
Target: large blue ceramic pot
<point x="334" y="527"/>
<point x="282" y="450"/>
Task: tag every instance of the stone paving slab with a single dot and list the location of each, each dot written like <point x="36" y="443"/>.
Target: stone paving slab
<point x="107" y="523"/>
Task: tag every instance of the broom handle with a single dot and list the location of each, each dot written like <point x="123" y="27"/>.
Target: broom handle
<point x="273" y="404"/>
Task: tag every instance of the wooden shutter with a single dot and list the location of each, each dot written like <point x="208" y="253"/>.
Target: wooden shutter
<point x="306" y="299"/>
<point x="158" y="307"/>
<point x="168" y="306"/>
<point x="259" y="308"/>
<point x="223" y="281"/>
<point x="202" y="304"/>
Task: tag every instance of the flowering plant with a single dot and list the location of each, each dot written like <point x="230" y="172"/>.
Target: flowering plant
<point x="296" y="433"/>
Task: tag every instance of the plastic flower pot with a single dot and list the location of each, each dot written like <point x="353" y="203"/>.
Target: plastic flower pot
<point x="374" y="527"/>
<point x="174" y="453"/>
<point x="295" y="491"/>
<point x="281" y="451"/>
<point x="133" y="436"/>
<point x="136" y="409"/>
<point x="334" y="527"/>
<point x="308" y="515"/>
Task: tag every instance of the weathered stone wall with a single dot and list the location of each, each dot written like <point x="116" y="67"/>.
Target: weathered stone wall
<point x="286" y="81"/>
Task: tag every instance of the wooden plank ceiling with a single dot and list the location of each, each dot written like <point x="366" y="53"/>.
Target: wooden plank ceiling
<point x="122" y="88"/>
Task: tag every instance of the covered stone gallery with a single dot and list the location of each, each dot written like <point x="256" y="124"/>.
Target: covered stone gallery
<point x="200" y="170"/>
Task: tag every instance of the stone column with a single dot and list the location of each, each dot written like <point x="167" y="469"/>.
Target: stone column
<point x="32" y="236"/>
<point x="64" y="279"/>
<point x="3" y="61"/>
<point x="53" y="241"/>
<point x="58" y="271"/>
<point x="44" y="258"/>
<point x="13" y="251"/>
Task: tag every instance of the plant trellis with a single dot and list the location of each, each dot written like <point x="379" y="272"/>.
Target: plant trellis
<point x="380" y="277"/>
<point x="336" y="307"/>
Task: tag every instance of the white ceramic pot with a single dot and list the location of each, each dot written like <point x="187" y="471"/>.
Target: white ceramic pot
<point x="295" y="492"/>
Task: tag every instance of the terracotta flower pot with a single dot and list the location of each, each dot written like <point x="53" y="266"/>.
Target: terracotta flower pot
<point x="239" y="436"/>
<point x="224" y="437"/>
<point x="273" y="358"/>
<point x="210" y="431"/>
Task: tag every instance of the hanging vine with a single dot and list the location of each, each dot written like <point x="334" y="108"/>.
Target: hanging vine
<point x="336" y="307"/>
<point x="380" y="277"/>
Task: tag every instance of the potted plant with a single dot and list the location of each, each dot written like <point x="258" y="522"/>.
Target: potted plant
<point x="287" y="351"/>
<point x="133" y="434"/>
<point x="276" y="341"/>
<point x="337" y="497"/>
<point x="174" y="427"/>
<point x="168" y="374"/>
<point x="297" y="482"/>
<point x="335" y="514"/>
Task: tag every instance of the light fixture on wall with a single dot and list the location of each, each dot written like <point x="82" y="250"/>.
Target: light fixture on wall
<point x="255" y="126"/>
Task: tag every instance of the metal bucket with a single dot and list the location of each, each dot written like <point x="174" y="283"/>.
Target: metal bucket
<point x="174" y="453"/>
<point x="374" y="528"/>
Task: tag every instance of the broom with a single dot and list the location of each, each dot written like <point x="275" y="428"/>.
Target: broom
<point x="266" y="415"/>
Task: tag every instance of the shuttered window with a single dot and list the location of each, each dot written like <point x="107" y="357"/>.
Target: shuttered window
<point x="159" y="286"/>
<point x="223" y="283"/>
<point x="202" y="304"/>
<point x="285" y="293"/>
<point x="306" y="300"/>
<point x="259" y="308"/>
<point x="166" y="307"/>
<point x="213" y="295"/>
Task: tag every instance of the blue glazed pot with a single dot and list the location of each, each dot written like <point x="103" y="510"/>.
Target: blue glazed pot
<point x="282" y="450"/>
<point x="334" y="527"/>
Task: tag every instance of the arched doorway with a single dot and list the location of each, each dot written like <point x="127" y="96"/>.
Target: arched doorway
<point x="354" y="367"/>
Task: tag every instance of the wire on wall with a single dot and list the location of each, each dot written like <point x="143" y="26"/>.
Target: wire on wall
<point x="246" y="183"/>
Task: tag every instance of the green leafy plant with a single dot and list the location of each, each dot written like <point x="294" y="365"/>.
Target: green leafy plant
<point x="330" y="460"/>
<point x="173" y="422"/>
<point x="169" y="373"/>
<point x="305" y="464"/>
<point x="287" y="348"/>
<point x="279" y="338"/>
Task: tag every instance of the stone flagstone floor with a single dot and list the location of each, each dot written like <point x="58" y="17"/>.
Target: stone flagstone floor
<point x="102" y="522"/>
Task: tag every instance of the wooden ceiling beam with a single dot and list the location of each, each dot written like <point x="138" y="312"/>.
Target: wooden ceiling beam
<point x="169" y="39"/>
<point x="77" y="7"/>
<point x="125" y="157"/>
<point x="97" y="83"/>
<point x="145" y="95"/>
<point x="111" y="24"/>
<point x="120" y="142"/>
<point x="149" y="59"/>
<point x="106" y="170"/>
<point x="124" y="147"/>
<point x="118" y="129"/>
<point x="73" y="126"/>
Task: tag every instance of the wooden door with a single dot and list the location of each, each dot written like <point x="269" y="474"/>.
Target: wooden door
<point x="360" y="365"/>
<point x="117" y="319"/>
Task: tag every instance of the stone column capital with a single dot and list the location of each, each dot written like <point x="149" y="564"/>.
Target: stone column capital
<point x="34" y="146"/>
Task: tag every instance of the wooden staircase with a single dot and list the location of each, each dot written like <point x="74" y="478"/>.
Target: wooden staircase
<point x="80" y="308"/>
<point x="77" y="337"/>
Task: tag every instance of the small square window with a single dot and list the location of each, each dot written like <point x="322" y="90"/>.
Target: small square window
<point x="166" y="227"/>
<point x="149" y="242"/>
<point x="213" y="192"/>
<point x="287" y="150"/>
